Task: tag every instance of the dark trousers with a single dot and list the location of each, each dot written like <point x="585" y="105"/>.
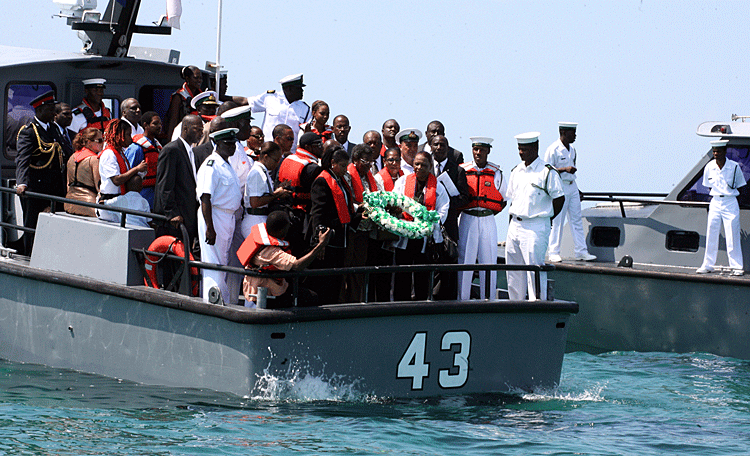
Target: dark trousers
<point x="380" y="284"/>
<point x="420" y="281"/>
<point x="306" y="298"/>
<point x="32" y="207"/>
<point x="328" y="287"/>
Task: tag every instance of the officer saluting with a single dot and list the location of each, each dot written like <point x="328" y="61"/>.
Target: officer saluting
<point x="536" y="195"/>
<point x="91" y="112"/>
<point x="40" y="163"/>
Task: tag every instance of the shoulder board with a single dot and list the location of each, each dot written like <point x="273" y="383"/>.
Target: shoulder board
<point x="77" y="111"/>
<point x="514" y="168"/>
<point x="270" y="91"/>
<point x="210" y="163"/>
<point x="493" y="166"/>
<point x="551" y="168"/>
<point x="466" y="166"/>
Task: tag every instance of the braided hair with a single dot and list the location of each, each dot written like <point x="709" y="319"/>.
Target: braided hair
<point x="116" y="132"/>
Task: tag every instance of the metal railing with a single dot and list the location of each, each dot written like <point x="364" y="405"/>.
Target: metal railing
<point x="640" y="198"/>
<point x="184" y="275"/>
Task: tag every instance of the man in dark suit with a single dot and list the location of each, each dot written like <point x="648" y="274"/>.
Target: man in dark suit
<point x="40" y="163"/>
<point x="447" y="283"/>
<point x="435" y="128"/>
<point x="63" y="118"/>
<point x="341" y="129"/>
<point x="175" y="182"/>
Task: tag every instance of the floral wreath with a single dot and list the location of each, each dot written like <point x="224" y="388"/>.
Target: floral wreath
<point x="424" y="219"/>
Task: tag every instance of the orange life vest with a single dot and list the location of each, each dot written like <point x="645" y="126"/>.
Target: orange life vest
<point x="387" y="179"/>
<point x="92" y="120"/>
<point x="430" y="192"/>
<point x="343" y="210"/>
<point x="151" y="155"/>
<point x="258" y="239"/>
<point x="122" y="163"/>
<point x="291" y="170"/>
<point x="357" y="188"/>
<point x="482" y="188"/>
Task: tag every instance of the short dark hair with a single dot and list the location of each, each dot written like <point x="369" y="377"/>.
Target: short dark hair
<point x="279" y="130"/>
<point x="226" y="106"/>
<point x="147" y="117"/>
<point x="276" y="222"/>
<point x="361" y="149"/>
<point x="269" y="147"/>
<point x="59" y="106"/>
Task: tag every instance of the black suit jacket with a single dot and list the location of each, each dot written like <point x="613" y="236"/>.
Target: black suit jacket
<point x="323" y="212"/>
<point x="201" y="153"/>
<point x="175" y="186"/>
<point x="453" y="154"/>
<point x="50" y="180"/>
<point x="458" y="176"/>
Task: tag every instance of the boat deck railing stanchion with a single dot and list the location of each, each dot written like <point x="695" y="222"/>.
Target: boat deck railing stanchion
<point x="640" y="198"/>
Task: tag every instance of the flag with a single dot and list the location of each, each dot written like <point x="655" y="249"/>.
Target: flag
<point x="174" y="11"/>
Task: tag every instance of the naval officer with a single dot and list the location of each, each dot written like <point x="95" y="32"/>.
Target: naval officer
<point x="562" y="156"/>
<point x="91" y="112"/>
<point x="219" y="191"/>
<point x="724" y="177"/>
<point x="536" y="195"/>
<point x="477" y="232"/>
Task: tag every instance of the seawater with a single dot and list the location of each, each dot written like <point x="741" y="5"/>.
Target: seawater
<point x="614" y="403"/>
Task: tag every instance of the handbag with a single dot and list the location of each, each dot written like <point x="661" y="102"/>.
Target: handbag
<point x="447" y="250"/>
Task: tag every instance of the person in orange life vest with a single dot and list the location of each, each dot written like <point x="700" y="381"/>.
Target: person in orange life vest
<point x="389" y="131"/>
<point x="300" y="170"/>
<point x="179" y="103"/>
<point x="267" y="250"/>
<point x="131" y="113"/>
<point x="361" y="181"/>
<point x="421" y="186"/>
<point x="477" y="238"/>
<point x="146" y="147"/>
<point x="254" y="142"/>
<point x="408" y="141"/>
<point x="332" y="207"/>
<point x="390" y="173"/>
<point x="372" y="138"/>
<point x="83" y="171"/>
<point x="446" y="283"/>
<point x="114" y="168"/>
<point x="91" y="112"/>
<point x="320" y="113"/>
<point x="341" y="129"/>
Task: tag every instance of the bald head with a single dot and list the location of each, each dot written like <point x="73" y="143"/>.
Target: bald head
<point x="192" y="128"/>
<point x="131" y="110"/>
<point x="330" y="144"/>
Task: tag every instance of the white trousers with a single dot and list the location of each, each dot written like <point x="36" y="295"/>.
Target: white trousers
<point x="234" y="281"/>
<point x="526" y="244"/>
<point x="477" y="243"/>
<point x="725" y="210"/>
<point x="572" y="211"/>
<point x="217" y="253"/>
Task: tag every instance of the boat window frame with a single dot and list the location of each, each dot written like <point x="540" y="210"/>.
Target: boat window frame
<point x="744" y="197"/>
<point x="10" y="83"/>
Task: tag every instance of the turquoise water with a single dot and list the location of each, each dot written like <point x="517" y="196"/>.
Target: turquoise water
<point x="615" y="403"/>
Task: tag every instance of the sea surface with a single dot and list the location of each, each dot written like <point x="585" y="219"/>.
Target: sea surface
<point x="614" y="403"/>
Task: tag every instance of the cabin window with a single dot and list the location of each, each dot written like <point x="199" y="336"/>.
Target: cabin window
<point x="153" y="98"/>
<point x="113" y="104"/>
<point x="605" y="236"/>
<point x="18" y="112"/>
<point x="695" y="191"/>
<point x="682" y="241"/>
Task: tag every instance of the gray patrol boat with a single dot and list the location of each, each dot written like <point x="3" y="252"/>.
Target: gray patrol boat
<point x="642" y="293"/>
<point x="78" y="300"/>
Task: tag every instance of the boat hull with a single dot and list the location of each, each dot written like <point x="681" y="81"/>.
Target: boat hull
<point x="387" y="350"/>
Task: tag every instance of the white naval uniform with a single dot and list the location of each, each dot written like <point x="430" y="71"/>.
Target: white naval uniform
<point x="279" y="111"/>
<point x="217" y="178"/>
<point x="560" y="157"/>
<point x="531" y="190"/>
<point x="259" y="183"/>
<point x="79" y="120"/>
<point x="241" y="164"/>
<point x="724" y="208"/>
<point x="477" y="239"/>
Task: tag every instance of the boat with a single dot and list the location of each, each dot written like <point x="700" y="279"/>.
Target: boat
<point x="642" y="293"/>
<point x="86" y="307"/>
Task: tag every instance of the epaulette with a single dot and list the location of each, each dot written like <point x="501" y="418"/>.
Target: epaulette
<point x="77" y="111"/>
<point x="270" y="91"/>
<point x="210" y="163"/>
<point x="551" y="168"/>
<point x="514" y="168"/>
<point x="493" y="166"/>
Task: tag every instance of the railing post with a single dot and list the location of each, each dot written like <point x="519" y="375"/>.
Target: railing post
<point x="367" y="286"/>
<point x="538" y="283"/>
<point x="185" y="288"/>
<point x="431" y="283"/>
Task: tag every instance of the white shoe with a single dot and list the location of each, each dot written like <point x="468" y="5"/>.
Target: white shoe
<point x="704" y="270"/>
<point x="555" y="259"/>
<point x="586" y="257"/>
<point x="738" y="272"/>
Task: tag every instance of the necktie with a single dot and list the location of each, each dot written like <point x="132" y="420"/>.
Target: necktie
<point x="438" y="170"/>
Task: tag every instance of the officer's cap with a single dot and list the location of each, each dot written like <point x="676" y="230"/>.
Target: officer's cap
<point x="568" y="125"/>
<point x="95" y="82"/>
<point x="528" y="138"/>
<point x="208" y="97"/>
<point x="227" y="134"/>
<point x="292" y="80"/>
<point x="240" y="112"/>
<point x="481" y="141"/>
<point x="47" y="97"/>
<point x="720" y="143"/>
<point x="409" y="134"/>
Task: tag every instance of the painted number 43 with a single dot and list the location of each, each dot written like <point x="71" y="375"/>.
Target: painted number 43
<point x="414" y="366"/>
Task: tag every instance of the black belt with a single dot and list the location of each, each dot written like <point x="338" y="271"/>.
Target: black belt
<point x="257" y="211"/>
<point x="107" y="196"/>
<point x="515" y="217"/>
<point x="479" y="212"/>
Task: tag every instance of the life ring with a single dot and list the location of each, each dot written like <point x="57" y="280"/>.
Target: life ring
<point x="424" y="219"/>
<point x="172" y="245"/>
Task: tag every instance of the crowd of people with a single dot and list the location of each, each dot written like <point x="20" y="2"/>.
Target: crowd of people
<point x="290" y="194"/>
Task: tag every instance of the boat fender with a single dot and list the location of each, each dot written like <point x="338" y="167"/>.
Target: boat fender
<point x="626" y="262"/>
<point x="172" y="245"/>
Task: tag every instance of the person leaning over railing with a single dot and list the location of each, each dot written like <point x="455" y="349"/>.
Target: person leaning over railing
<point x="266" y="249"/>
<point x="83" y="171"/>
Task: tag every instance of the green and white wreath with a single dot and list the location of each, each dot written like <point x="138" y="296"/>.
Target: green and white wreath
<point x="378" y="203"/>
